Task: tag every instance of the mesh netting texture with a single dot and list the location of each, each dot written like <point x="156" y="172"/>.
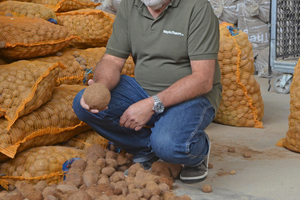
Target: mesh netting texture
<point x="292" y="139"/>
<point x="25" y="9"/>
<point x="39" y="163"/>
<point x="86" y="139"/>
<point x="92" y="26"/>
<point x="241" y="103"/>
<point x="80" y="64"/>
<point x="52" y="123"/>
<point x="25" y="37"/>
<point x="25" y="86"/>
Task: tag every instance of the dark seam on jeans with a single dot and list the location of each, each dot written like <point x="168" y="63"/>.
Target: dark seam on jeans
<point x="197" y="128"/>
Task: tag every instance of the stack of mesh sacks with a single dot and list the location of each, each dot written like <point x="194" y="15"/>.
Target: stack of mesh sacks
<point x="241" y="103"/>
<point x="48" y="51"/>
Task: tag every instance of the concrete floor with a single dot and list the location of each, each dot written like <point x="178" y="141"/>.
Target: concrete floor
<point x="271" y="173"/>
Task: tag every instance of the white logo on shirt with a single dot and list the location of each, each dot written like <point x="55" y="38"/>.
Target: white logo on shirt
<point x="172" y="33"/>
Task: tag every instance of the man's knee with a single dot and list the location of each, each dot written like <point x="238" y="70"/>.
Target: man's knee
<point x="177" y="151"/>
<point x="164" y="148"/>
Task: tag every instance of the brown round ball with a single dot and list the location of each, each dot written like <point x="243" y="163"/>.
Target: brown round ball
<point x="59" y="53"/>
<point x="206" y="188"/>
<point x="232" y="172"/>
<point x="2" y="44"/>
<point x="231" y="149"/>
<point x="8" y="15"/>
<point x="97" y="96"/>
<point x="247" y="154"/>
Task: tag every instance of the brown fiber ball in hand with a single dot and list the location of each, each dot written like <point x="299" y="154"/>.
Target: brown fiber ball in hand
<point x="97" y="96"/>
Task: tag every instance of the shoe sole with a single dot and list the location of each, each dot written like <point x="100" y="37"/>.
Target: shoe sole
<point x="199" y="178"/>
<point x="193" y="180"/>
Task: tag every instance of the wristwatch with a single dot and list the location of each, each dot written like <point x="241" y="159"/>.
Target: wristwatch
<point x="158" y="105"/>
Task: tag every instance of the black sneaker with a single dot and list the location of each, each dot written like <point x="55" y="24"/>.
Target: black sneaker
<point x="146" y="165"/>
<point x="197" y="173"/>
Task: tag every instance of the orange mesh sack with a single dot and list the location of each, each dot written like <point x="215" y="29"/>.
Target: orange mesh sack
<point x="80" y="64"/>
<point x="39" y="163"/>
<point x="25" y="86"/>
<point x="92" y="56"/>
<point x="93" y="27"/>
<point x="24" y="37"/>
<point x="76" y="63"/>
<point x="53" y="123"/>
<point x="24" y="9"/>
<point x="86" y="139"/>
<point x="241" y="103"/>
<point x="292" y="139"/>
<point x="67" y="5"/>
<point x="96" y="53"/>
<point x="18" y="0"/>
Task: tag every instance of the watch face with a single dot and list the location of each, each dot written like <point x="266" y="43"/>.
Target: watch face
<point x="158" y="105"/>
<point x="159" y="108"/>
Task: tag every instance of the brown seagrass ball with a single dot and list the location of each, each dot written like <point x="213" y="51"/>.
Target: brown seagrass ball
<point x="206" y="188"/>
<point x="97" y="96"/>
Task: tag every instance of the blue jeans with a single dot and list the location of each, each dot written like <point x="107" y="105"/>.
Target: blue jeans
<point x="177" y="135"/>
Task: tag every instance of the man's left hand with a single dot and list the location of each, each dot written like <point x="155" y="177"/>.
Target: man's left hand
<point x="138" y="114"/>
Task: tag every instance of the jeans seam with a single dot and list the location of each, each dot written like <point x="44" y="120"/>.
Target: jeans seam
<point x="197" y="128"/>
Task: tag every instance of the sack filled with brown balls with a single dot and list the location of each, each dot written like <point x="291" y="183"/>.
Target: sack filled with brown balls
<point x="80" y="64"/>
<point x="241" y="103"/>
<point x="93" y="27"/>
<point x="59" y="6"/>
<point x="86" y="139"/>
<point x="25" y="37"/>
<point x="77" y="64"/>
<point x="292" y="138"/>
<point x="97" y="53"/>
<point x="25" y="86"/>
<point x="39" y="163"/>
<point x="26" y="9"/>
<point x="52" y="123"/>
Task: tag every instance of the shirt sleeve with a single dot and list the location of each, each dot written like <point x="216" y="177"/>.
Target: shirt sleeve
<point x="203" y="38"/>
<point x="118" y="44"/>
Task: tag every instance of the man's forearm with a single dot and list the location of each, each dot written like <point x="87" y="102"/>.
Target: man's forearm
<point x="108" y="71"/>
<point x="184" y="89"/>
<point x="198" y="83"/>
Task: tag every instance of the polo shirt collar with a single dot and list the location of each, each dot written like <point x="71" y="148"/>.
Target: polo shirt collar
<point x="173" y="3"/>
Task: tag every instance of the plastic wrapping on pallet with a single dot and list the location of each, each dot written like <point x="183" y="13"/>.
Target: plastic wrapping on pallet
<point x="226" y="10"/>
<point x="110" y="6"/>
<point x="264" y="10"/>
<point x="258" y="32"/>
<point x="261" y="64"/>
<point x="248" y="8"/>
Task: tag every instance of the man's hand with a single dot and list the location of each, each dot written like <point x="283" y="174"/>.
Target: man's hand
<point x="87" y="107"/>
<point x="138" y="114"/>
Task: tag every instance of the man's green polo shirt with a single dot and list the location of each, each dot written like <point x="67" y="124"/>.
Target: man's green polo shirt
<point x="162" y="48"/>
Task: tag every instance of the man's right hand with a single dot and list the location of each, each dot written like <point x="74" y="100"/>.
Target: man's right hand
<point x="87" y="107"/>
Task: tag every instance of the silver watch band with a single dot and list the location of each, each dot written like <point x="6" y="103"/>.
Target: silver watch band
<point x="156" y="98"/>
